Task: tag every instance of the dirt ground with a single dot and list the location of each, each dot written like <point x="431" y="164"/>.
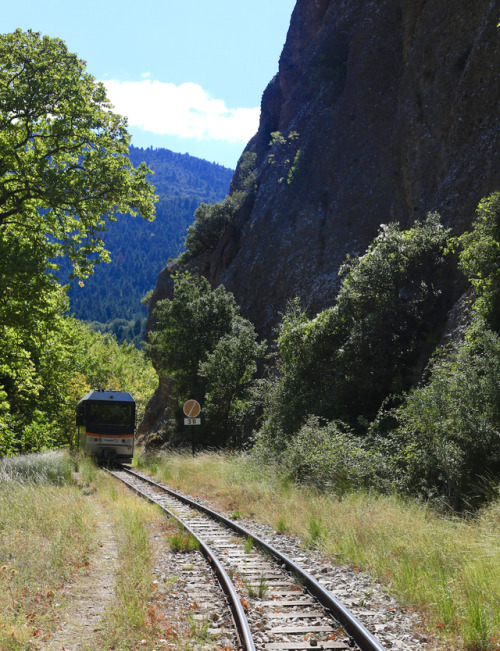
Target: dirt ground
<point x="88" y="594"/>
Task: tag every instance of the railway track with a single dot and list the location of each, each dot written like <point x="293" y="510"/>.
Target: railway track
<point x="275" y="603"/>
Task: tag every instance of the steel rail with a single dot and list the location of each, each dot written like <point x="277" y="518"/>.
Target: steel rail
<point x="363" y="638"/>
<point x="238" y="614"/>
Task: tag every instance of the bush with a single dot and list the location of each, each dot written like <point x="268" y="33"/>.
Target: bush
<point x="331" y="457"/>
<point x="211" y="220"/>
<point x="448" y="439"/>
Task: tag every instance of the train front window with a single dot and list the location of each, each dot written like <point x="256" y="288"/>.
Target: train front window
<point x="104" y="413"/>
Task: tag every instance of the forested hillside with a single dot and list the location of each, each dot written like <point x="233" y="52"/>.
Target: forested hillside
<point x="111" y="298"/>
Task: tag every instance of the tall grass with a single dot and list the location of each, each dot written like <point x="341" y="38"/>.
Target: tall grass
<point x="54" y="467"/>
<point x="447" y="568"/>
<point x="46" y="534"/>
<point x="126" y="619"/>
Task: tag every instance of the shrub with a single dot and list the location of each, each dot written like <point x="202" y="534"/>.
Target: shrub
<point x="448" y="440"/>
<point x="211" y="220"/>
<point x="332" y="457"/>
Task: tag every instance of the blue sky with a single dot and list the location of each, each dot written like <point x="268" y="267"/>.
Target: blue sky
<point x="188" y="74"/>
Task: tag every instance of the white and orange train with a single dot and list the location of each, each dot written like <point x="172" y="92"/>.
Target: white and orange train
<point x="106" y="425"/>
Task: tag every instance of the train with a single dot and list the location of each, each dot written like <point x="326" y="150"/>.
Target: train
<point x="105" y="423"/>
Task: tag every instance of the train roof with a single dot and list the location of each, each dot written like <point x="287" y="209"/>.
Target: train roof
<point x="104" y="396"/>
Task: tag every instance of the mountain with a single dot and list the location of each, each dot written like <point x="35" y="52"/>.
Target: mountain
<point x="110" y="299"/>
<point x="382" y="110"/>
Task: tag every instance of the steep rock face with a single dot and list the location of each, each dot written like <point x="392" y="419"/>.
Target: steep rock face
<point x="386" y="109"/>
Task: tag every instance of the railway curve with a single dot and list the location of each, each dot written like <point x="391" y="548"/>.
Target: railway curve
<point x="300" y="613"/>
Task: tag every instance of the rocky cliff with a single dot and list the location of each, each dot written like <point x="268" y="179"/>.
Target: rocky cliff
<point x="382" y="110"/>
<point x="386" y="109"/>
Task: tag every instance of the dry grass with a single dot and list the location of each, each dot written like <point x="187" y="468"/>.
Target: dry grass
<point x="127" y="619"/>
<point x="447" y="568"/>
<point x="46" y="535"/>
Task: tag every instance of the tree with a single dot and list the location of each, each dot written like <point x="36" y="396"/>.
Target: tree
<point x="447" y="443"/>
<point x="228" y="371"/>
<point x="211" y="220"/>
<point x="208" y="350"/>
<point x="64" y="163"/>
<point x="64" y="171"/>
<point x="480" y="259"/>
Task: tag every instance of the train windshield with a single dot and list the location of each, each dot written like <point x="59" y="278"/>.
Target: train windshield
<point x="104" y="413"/>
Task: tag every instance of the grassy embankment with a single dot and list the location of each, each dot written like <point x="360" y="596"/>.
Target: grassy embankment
<point x="446" y="568"/>
<point x="48" y="535"/>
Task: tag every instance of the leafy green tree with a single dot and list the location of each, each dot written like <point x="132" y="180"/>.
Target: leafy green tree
<point x="228" y="371"/>
<point x="211" y="220"/>
<point x="480" y="259"/>
<point x="98" y="360"/>
<point x="447" y="441"/>
<point x="73" y="359"/>
<point x="64" y="166"/>
<point x="447" y="444"/>
<point x="208" y="351"/>
<point x="373" y="342"/>
<point x="64" y="171"/>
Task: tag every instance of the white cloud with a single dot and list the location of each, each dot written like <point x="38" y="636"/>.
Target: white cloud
<point x="186" y="111"/>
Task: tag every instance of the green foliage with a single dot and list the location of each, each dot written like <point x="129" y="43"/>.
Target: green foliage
<point x="211" y="220"/>
<point x="287" y="154"/>
<point x="277" y="138"/>
<point x="296" y="168"/>
<point x="245" y="174"/>
<point x="202" y="344"/>
<point x="447" y="444"/>
<point x="188" y="326"/>
<point x="131" y="331"/>
<point x="480" y="259"/>
<point x="330" y="456"/>
<point x="100" y="361"/>
<point x="63" y="168"/>
<point x="372" y="343"/>
<point x="442" y="441"/>
<point x="228" y="371"/>
<point x="63" y="153"/>
<point x="72" y="358"/>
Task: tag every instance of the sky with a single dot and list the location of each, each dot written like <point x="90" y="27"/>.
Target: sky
<point x="188" y="74"/>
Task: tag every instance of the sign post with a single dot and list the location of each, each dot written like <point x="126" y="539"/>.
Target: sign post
<point x="192" y="410"/>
